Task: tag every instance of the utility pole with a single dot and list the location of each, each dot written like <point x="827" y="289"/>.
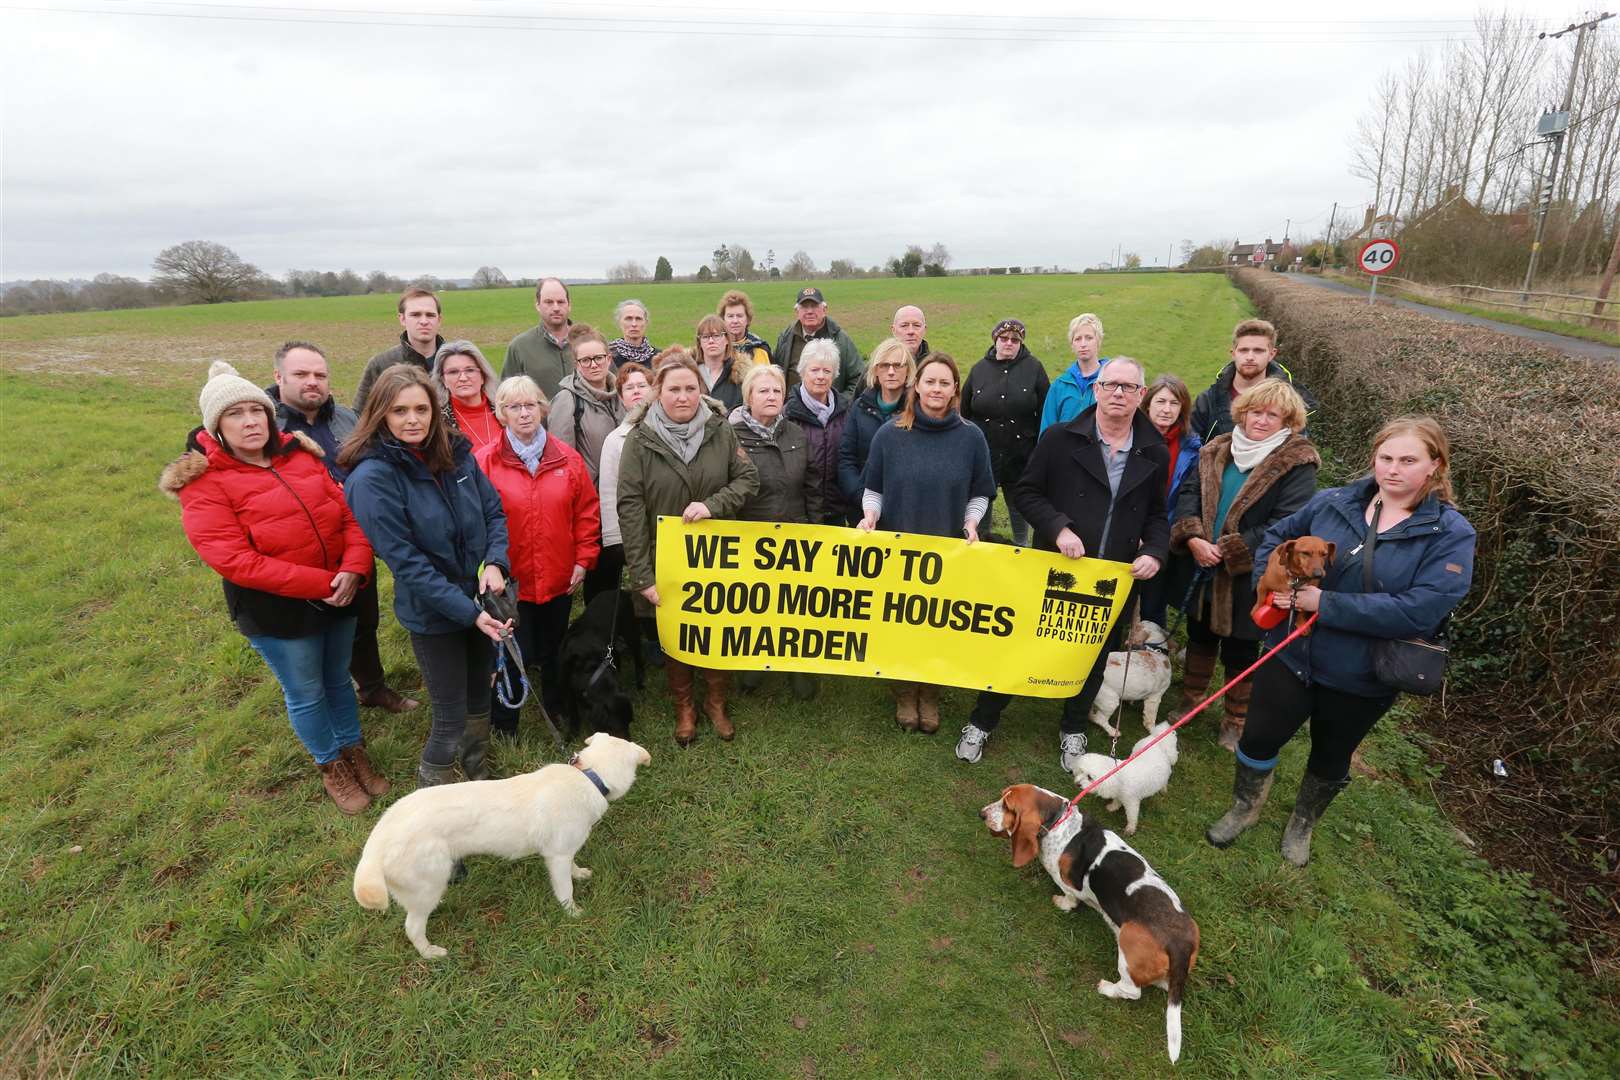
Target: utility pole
<point x="1544" y="196"/>
<point x="1327" y="244"/>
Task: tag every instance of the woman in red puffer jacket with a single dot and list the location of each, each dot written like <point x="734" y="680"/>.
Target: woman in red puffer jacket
<point x="553" y="525"/>
<point x="261" y="509"/>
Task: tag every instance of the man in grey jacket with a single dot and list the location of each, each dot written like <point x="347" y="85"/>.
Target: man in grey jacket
<point x="542" y="352"/>
<point x="304" y="402"/>
<point x="419" y="320"/>
<point x="813" y="323"/>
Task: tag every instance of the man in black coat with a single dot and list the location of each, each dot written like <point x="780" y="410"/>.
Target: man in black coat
<point x="1094" y="487"/>
<point x="1254" y="360"/>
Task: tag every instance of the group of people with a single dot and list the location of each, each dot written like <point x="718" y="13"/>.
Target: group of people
<point x="555" y="473"/>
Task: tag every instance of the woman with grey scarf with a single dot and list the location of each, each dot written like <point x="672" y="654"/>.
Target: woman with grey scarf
<point x="780" y="452"/>
<point x="681" y="458"/>
<point x="821" y="413"/>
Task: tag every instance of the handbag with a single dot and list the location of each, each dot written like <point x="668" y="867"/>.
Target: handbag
<point x="1415" y="665"/>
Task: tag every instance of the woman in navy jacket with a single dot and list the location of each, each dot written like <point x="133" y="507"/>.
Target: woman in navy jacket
<point x="1423" y="564"/>
<point x="434" y="518"/>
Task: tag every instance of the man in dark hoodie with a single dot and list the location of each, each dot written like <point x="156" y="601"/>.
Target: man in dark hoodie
<point x="303" y="397"/>
<point x="909" y="327"/>
<point x="811" y="324"/>
<point x="1254" y="359"/>
<point x="419" y="340"/>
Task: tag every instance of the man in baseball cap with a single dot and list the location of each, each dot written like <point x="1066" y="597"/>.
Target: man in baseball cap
<point x="812" y="323"/>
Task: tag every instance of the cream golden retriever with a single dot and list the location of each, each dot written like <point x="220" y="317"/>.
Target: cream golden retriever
<point x="549" y="812"/>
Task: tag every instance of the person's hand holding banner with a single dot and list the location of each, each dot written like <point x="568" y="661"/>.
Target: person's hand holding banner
<point x="763" y="596"/>
<point x="1069" y="545"/>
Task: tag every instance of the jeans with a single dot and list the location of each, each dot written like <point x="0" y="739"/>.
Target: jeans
<point x="456" y="667"/>
<point x="986" y="715"/>
<point x="539" y="635"/>
<point x="314" y="675"/>
<point x="1280" y="706"/>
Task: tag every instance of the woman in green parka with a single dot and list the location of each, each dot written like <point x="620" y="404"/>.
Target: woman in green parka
<point x="680" y="458"/>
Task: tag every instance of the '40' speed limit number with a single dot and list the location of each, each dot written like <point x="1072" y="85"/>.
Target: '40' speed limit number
<point x="1379" y="256"/>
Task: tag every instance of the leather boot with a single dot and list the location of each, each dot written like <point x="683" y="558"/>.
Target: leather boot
<point x="343" y="787"/>
<point x="714" y="703"/>
<point x="1250" y="786"/>
<point x="373" y="782"/>
<point x="1314" y="796"/>
<point x="905" y="704"/>
<point x="927" y="708"/>
<point x="1236" y="704"/>
<point x="1196" y="672"/>
<point x="475" y="748"/>
<point x="428" y="775"/>
<point x="680" y="688"/>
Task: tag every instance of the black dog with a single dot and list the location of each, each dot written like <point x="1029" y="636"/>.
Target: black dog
<point x="591" y="696"/>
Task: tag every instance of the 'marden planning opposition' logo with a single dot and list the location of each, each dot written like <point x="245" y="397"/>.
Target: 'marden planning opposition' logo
<point x="1067" y="615"/>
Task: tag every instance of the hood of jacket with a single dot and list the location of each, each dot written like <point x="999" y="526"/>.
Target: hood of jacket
<point x="203" y="452"/>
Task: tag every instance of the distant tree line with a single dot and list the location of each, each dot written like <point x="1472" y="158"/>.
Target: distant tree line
<point x="735" y="262"/>
<point x="202" y="272"/>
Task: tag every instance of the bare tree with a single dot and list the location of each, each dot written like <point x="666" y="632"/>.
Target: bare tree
<point x="489" y="277"/>
<point x="1370" y="147"/>
<point x="629" y="272"/>
<point x="799" y="266"/>
<point x="205" y="271"/>
<point x="939" y="255"/>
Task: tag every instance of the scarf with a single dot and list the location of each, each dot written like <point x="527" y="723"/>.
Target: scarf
<point x="1248" y="453"/>
<point x="823" y="413"/>
<point x="1173" y="441"/>
<point x="529" y="454"/>
<point x="624" y="352"/>
<point x="684" y="439"/>
<point x="741" y="413"/>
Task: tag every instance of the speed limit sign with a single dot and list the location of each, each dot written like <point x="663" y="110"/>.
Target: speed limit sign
<point x="1379" y="256"/>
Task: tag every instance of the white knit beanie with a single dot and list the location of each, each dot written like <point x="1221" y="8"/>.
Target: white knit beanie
<point x="226" y="388"/>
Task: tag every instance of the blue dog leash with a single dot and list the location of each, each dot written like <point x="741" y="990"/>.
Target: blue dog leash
<point x="504" y="688"/>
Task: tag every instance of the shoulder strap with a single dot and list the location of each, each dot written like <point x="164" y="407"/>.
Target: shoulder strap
<point x="579" y="411"/>
<point x="1367" y="547"/>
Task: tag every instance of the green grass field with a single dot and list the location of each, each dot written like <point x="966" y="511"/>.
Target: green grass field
<point x="816" y="899"/>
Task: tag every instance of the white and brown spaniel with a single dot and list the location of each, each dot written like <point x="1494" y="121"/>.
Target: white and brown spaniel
<point x="1157" y="939"/>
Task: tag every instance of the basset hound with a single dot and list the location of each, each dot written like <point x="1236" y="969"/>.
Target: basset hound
<point x="1157" y="939"/>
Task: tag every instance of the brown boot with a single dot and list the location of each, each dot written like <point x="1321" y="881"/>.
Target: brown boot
<point x="1236" y="703"/>
<point x="368" y="778"/>
<point x="1196" y="671"/>
<point x="927" y="708"/>
<point x="714" y="703"/>
<point x="905" y="704"/>
<point x="680" y="688"/>
<point x="342" y="786"/>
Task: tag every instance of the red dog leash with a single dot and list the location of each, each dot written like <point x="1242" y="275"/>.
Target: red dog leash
<point x="1298" y="630"/>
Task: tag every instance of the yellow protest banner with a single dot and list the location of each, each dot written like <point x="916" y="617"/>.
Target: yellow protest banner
<point x="762" y="596"/>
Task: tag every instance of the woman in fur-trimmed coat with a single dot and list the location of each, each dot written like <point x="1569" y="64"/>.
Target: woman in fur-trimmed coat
<point x="1256" y="475"/>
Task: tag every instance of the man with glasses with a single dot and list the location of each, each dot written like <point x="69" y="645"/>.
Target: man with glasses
<point x="419" y="340"/>
<point x="304" y="402"/>
<point x="542" y="352"/>
<point x="1094" y="487"/>
<point x="812" y="323"/>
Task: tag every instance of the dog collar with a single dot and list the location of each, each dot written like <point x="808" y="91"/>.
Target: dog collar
<point x="1155" y="646"/>
<point x="590" y="774"/>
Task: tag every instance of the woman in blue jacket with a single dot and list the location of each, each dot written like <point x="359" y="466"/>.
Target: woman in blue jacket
<point x="1423" y="563"/>
<point x="437" y="522"/>
<point x="1075" y="391"/>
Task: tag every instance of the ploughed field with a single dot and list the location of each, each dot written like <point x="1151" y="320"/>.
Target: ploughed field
<point x="817" y="898"/>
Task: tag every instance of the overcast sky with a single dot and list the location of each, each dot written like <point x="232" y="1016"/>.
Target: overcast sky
<point x="435" y="137"/>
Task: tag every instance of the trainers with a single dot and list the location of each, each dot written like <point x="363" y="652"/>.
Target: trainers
<point x="970" y="747"/>
<point x="1071" y="745"/>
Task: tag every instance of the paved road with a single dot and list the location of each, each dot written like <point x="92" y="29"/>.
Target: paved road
<point x="1562" y="343"/>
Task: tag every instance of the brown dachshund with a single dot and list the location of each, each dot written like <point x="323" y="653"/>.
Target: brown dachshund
<point x="1293" y="563"/>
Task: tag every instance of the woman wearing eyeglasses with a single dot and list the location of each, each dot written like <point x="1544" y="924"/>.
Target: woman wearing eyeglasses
<point x="587" y="407"/>
<point x="889" y="375"/>
<point x="464" y="381"/>
<point x="1004" y="394"/>
<point x="717" y="366"/>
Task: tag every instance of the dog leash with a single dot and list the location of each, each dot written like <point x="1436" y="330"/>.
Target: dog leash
<point x="1273" y="651"/>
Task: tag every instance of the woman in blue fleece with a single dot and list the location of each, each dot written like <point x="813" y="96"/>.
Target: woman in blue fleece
<point x="1423" y="563"/>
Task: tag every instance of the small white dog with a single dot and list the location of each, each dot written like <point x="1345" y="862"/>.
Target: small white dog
<point x="1141" y="779"/>
<point x="1147" y="680"/>
<point x="549" y="812"/>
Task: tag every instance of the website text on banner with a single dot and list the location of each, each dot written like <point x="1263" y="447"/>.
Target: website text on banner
<point x="762" y="596"/>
